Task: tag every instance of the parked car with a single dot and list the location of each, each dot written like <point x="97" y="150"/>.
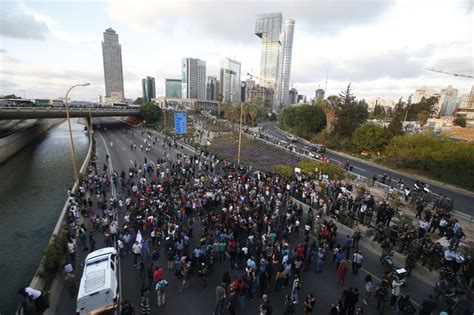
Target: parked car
<point x="292" y="138"/>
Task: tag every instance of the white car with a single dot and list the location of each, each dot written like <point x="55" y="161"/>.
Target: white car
<point x="292" y="138"/>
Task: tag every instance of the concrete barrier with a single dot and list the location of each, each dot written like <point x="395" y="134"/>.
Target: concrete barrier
<point x="38" y="282"/>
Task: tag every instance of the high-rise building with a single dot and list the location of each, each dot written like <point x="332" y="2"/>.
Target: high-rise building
<point x="284" y="72"/>
<point x="212" y="88"/>
<point x="194" y="78"/>
<point x="256" y="91"/>
<point x="230" y="83"/>
<point x="173" y="88"/>
<point x="148" y="88"/>
<point x="113" y="72"/>
<point x="293" y="96"/>
<point x="275" y="58"/>
<point x="301" y="99"/>
<point x="268" y="28"/>
<point x="319" y="94"/>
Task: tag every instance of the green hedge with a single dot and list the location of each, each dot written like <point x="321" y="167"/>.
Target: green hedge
<point x="441" y="158"/>
<point x="309" y="167"/>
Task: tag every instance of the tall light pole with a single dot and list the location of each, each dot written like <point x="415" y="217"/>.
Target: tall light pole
<point x="240" y="132"/>
<point x="71" y="141"/>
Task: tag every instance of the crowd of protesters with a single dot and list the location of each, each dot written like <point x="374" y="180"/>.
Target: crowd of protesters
<point x="249" y="219"/>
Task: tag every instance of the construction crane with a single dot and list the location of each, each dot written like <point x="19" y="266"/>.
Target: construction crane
<point x="451" y="73"/>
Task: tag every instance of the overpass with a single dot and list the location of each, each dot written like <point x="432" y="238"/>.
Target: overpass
<point x="60" y="112"/>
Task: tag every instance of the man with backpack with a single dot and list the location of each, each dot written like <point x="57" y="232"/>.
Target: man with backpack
<point x="161" y="291"/>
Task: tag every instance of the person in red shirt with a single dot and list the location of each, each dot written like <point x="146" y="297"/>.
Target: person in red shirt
<point x="158" y="274"/>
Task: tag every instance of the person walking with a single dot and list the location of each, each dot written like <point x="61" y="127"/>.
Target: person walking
<point x="233" y="302"/>
<point x="295" y="288"/>
<point x="396" y="284"/>
<point x="357" y="260"/>
<point x="342" y="272"/>
<point x="288" y="307"/>
<point x="161" y="292"/>
<point x="309" y="304"/>
<point x="369" y="288"/>
<point x="220" y="299"/>
<point x="381" y="293"/>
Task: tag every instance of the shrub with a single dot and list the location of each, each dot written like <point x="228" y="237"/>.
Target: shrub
<point x="460" y="121"/>
<point x="369" y="137"/>
<point x="54" y="254"/>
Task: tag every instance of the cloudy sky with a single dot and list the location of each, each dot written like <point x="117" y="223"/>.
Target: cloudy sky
<point x="383" y="47"/>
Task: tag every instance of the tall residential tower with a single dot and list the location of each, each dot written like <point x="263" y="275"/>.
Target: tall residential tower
<point x="284" y="71"/>
<point x="113" y="72"/>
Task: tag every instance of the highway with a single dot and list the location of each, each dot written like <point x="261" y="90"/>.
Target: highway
<point x="114" y="138"/>
<point x="463" y="201"/>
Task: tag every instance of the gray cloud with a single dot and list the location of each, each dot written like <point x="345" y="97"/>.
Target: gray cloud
<point x="235" y="20"/>
<point x="22" y="26"/>
<point x="4" y="84"/>
<point x="459" y="64"/>
<point x="396" y="64"/>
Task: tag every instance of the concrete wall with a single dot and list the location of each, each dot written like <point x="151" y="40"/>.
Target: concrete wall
<point x="13" y="143"/>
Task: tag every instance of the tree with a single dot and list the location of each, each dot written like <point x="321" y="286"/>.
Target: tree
<point x="379" y="112"/>
<point x="150" y="113"/>
<point x="396" y="124"/>
<point x="460" y="121"/>
<point x="329" y="107"/>
<point x="369" y="137"/>
<point x="304" y="120"/>
<point x="10" y="96"/>
<point x="349" y="113"/>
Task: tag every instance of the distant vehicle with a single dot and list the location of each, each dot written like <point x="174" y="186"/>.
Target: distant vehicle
<point x="283" y="143"/>
<point x="314" y="155"/>
<point x="292" y="148"/>
<point x="99" y="289"/>
<point x="318" y="148"/>
<point x="292" y="138"/>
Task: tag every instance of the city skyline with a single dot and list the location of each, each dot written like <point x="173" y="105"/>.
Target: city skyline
<point x="45" y="48"/>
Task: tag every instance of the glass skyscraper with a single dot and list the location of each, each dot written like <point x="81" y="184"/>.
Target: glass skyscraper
<point x="148" y="88"/>
<point x="268" y="28"/>
<point x="112" y="58"/>
<point x="173" y="88"/>
<point x="284" y="75"/>
<point x="275" y="58"/>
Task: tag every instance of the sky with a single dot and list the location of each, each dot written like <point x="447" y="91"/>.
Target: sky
<point x="382" y="47"/>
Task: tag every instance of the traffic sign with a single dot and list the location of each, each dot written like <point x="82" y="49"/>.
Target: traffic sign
<point x="180" y="123"/>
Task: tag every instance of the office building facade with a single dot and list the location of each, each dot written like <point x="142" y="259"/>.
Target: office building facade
<point x="256" y="91"/>
<point x="173" y="88"/>
<point x="113" y="71"/>
<point x="230" y="84"/>
<point x="212" y="88"/>
<point x="148" y="89"/>
<point x="193" y="72"/>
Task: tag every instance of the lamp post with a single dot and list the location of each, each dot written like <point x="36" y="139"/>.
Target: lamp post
<point x="240" y="132"/>
<point x="71" y="141"/>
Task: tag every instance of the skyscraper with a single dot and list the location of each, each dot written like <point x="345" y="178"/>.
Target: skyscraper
<point x="173" y="88"/>
<point x="148" y="88"/>
<point x="275" y="58"/>
<point x="284" y="73"/>
<point x="230" y="84"/>
<point x="212" y="88"/>
<point x="113" y="72"/>
<point x="268" y="28"/>
<point x="193" y="78"/>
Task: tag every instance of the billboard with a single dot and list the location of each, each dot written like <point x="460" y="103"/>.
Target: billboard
<point x="180" y="121"/>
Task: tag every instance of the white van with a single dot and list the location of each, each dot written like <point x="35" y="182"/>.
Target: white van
<point x="99" y="289"/>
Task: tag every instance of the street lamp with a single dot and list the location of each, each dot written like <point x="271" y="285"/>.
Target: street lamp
<point x="71" y="141"/>
<point x="240" y="132"/>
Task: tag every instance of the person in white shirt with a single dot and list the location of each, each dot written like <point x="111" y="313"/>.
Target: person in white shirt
<point x="357" y="260"/>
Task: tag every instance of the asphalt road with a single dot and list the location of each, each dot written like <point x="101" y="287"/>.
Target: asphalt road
<point x="462" y="202"/>
<point x="114" y="138"/>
